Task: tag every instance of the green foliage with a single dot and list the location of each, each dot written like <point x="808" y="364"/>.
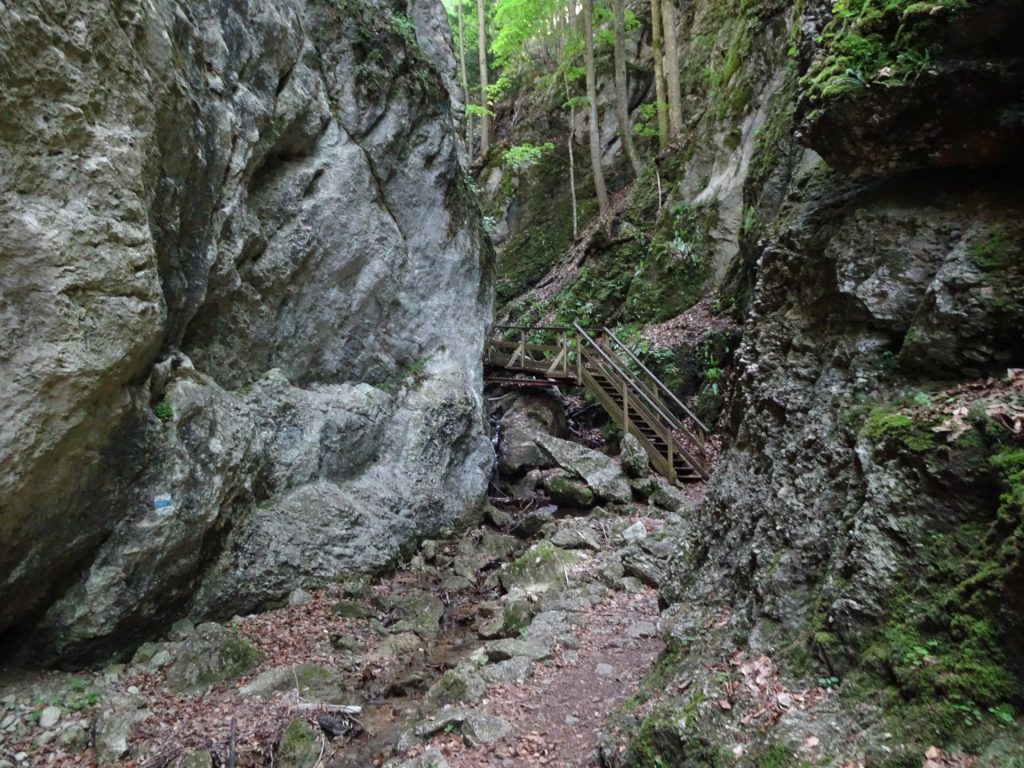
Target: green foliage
<point x="886" y="426"/>
<point x="523" y="156"/>
<point x="475" y="110"/>
<point x="163" y="411"/>
<point x="876" y="42"/>
<point x="997" y="252"/>
<point x="412" y="373"/>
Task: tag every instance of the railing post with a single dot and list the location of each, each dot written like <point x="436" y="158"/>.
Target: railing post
<point x="671" y="466"/>
<point x="625" y="406"/>
<point x="579" y="357"/>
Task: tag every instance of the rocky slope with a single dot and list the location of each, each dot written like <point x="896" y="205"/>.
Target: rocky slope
<point x="244" y="294"/>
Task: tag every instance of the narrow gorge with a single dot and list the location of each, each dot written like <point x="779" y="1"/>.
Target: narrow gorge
<point x="336" y="387"/>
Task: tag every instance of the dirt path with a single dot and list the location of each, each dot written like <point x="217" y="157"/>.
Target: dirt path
<point x="556" y="717"/>
<point x="479" y="626"/>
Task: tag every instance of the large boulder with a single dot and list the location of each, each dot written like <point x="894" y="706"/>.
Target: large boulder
<point x="262" y="312"/>
<point x="602" y="474"/>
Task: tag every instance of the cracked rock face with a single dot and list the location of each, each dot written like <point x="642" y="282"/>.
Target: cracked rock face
<point x="243" y="302"/>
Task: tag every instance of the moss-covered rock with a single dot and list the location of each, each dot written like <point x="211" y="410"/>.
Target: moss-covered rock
<point x="568" y="491"/>
<point x="542" y="567"/>
<point x="299" y="746"/>
<point x="214" y="654"/>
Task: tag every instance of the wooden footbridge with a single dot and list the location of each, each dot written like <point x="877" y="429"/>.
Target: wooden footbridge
<point x="636" y="400"/>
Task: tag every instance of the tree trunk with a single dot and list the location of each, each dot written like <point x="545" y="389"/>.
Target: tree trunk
<point x="485" y="122"/>
<point x="465" y="80"/>
<point x="572" y="159"/>
<point x="675" y="96"/>
<point x="659" y="74"/>
<point x="622" y="88"/>
<point x="595" y="128"/>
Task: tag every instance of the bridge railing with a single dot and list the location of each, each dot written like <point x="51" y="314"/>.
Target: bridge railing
<point x="635" y="394"/>
<point x="692" y="427"/>
<point x="512" y="347"/>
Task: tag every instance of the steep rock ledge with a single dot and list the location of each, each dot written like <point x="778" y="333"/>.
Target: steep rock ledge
<point x="851" y="594"/>
<point x="244" y="303"/>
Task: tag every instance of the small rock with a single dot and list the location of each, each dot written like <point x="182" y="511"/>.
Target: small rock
<point x="568" y="491"/>
<point x="642" y="629"/>
<point x="45" y="738"/>
<point x="635" y="532"/>
<point x="21" y="757"/>
<point x="570" y="720"/>
<point x="480" y="728"/>
<point x="604" y="670"/>
<point x="74" y="738"/>
<point x="299" y="746"/>
<point x="631" y="584"/>
<point x="633" y="457"/>
<point x="499" y="518"/>
<point x="160" y="660"/>
<point x="49" y="717"/>
<point x="8" y="721"/>
<point x="144" y="653"/>
<point x="213" y="654"/>
<point x="299" y="596"/>
<point x="457" y="685"/>
<point x="429" y="549"/>
<point x="516" y="669"/>
<point x="350" y="609"/>
<point x="180" y="630"/>
<point x="530" y="525"/>
<point x="114" y="729"/>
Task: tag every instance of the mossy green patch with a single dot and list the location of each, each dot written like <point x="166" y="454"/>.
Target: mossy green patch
<point x="298" y="747"/>
<point x="997" y="251"/>
<point x="876" y="41"/>
<point x="541" y="198"/>
<point x="951" y="648"/>
<point x="886" y="426"/>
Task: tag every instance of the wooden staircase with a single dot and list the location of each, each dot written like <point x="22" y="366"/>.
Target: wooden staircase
<point x="637" y="401"/>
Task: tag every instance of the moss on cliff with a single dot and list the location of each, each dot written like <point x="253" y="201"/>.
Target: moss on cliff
<point x="947" y="663"/>
<point x="869" y="42"/>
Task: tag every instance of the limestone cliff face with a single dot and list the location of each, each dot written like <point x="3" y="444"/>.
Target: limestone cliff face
<point x="243" y="299"/>
<point x="853" y="535"/>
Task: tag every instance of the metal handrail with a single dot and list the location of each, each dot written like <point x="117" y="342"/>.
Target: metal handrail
<point x="629" y="379"/>
<point x="661" y="385"/>
<point x="698" y="461"/>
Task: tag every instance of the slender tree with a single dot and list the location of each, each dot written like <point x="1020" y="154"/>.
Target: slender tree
<point x="567" y="25"/>
<point x="465" y="78"/>
<point x="622" y="88"/>
<point x="595" y="128"/>
<point x="485" y="123"/>
<point x="659" y="74"/>
<point x="675" y="97"/>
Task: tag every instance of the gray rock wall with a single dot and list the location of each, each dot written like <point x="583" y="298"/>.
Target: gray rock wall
<point x="243" y="301"/>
